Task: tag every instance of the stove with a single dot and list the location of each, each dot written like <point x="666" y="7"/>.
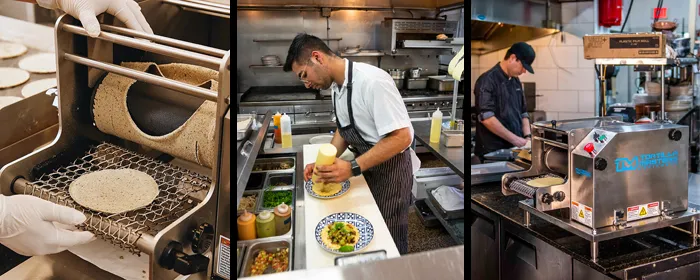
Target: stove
<point x="418" y="92"/>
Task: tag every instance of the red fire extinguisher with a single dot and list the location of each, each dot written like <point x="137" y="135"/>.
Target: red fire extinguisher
<point x="610" y="13"/>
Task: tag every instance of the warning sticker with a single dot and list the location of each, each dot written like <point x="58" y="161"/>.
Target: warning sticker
<point x="582" y="213"/>
<point x="224" y="268"/>
<point x="642" y="211"/>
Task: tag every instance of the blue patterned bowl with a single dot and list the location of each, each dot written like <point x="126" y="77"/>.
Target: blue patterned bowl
<point x="361" y="223"/>
<point x="345" y="186"/>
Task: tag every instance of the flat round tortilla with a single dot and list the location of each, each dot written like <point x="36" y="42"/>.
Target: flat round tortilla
<point x="40" y="86"/>
<point x="545" y="182"/>
<point x="7" y="100"/>
<point x="10" y="50"/>
<point x="326" y="189"/>
<point x="327" y="241"/>
<point x="42" y="63"/>
<point x="12" y="77"/>
<point x="114" y="191"/>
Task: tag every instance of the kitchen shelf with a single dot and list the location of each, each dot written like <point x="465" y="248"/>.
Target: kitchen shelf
<point x="683" y="61"/>
<point x="426" y="44"/>
<point x="289" y="40"/>
<point x="363" y="53"/>
<point x="263" y="66"/>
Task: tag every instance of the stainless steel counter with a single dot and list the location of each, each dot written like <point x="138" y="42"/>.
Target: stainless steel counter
<point x="453" y="157"/>
<point x="248" y="153"/>
<point x="443" y="264"/>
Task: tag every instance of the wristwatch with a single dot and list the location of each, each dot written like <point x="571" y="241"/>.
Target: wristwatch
<point x="528" y="136"/>
<point x="356" y="171"/>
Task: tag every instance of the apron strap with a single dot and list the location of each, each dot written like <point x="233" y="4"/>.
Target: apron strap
<point x="350" y="114"/>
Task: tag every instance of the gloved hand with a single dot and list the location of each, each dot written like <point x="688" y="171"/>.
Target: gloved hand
<point x="27" y="226"/>
<point x="86" y="11"/>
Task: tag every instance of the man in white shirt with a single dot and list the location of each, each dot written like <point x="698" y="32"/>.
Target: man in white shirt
<point x="376" y="127"/>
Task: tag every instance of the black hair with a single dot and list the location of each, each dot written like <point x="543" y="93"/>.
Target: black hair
<point x="301" y="48"/>
<point x="508" y="53"/>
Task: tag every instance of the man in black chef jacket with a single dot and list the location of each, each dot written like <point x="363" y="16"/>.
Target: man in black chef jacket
<point x="500" y="103"/>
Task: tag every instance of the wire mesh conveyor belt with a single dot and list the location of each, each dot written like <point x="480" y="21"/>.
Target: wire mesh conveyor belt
<point x="178" y="189"/>
<point x="520" y="186"/>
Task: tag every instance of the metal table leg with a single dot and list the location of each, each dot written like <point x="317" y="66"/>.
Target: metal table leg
<point x="694" y="232"/>
<point x="527" y="219"/>
<point x="594" y="251"/>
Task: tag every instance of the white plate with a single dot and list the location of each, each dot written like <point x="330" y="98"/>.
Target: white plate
<point x="345" y="186"/>
<point x="361" y="223"/>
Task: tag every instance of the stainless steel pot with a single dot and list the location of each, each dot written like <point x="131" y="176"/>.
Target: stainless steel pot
<point x="399" y="83"/>
<point x="396" y="73"/>
<point x="414" y="73"/>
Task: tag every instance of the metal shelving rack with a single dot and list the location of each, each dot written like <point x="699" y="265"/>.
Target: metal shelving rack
<point x="662" y="62"/>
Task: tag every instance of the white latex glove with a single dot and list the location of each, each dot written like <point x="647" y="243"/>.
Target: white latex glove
<point x="27" y="226"/>
<point x="86" y="11"/>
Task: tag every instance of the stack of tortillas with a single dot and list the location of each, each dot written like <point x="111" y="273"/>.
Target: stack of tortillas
<point x="193" y="141"/>
<point x="114" y="191"/>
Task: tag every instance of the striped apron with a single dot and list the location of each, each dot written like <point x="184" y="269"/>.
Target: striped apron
<point x="390" y="182"/>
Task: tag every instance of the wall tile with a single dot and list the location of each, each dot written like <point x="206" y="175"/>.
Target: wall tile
<point x="586" y="101"/>
<point x="576" y="79"/>
<point x="557" y="101"/>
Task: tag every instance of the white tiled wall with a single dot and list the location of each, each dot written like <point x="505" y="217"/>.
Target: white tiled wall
<point x="565" y="81"/>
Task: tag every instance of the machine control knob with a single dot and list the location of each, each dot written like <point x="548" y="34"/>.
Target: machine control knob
<point x="202" y="238"/>
<point x="559" y="196"/>
<point x="675" y="135"/>
<point x="174" y="258"/>
<point x="589" y="148"/>
<point x="595" y="136"/>
<point x="554" y="123"/>
<point x="600" y="164"/>
<point x="547" y="198"/>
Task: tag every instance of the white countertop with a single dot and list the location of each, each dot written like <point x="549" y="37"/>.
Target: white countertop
<point x="357" y="200"/>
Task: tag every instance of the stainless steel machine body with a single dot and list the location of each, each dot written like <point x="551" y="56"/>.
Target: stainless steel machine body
<point x="632" y="172"/>
<point x="184" y="231"/>
<point x="619" y="178"/>
<point x="551" y="144"/>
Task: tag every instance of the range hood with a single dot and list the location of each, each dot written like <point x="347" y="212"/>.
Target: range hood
<point x="496" y="25"/>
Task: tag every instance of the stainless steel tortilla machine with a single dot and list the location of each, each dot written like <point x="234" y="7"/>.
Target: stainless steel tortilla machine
<point x="618" y="178"/>
<point x="186" y="230"/>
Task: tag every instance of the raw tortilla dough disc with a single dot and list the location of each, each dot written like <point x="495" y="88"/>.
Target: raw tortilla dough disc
<point x="42" y="63"/>
<point x="39" y="86"/>
<point x="545" y="182"/>
<point x="114" y="190"/>
<point x="12" y="77"/>
<point x="7" y="100"/>
<point x="10" y="50"/>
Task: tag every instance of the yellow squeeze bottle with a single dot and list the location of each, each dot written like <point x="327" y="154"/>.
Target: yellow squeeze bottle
<point x="286" y="131"/>
<point x="326" y="156"/>
<point x="436" y="126"/>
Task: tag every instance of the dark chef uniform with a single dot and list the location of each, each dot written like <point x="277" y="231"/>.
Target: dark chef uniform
<point x="502" y="97"/>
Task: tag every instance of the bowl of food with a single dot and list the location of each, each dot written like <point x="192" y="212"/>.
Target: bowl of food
<point x="344" y="233"/>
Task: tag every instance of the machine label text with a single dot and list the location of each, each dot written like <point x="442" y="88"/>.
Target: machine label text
<point x="646" y="161"/>
<point x="582" y="172"/>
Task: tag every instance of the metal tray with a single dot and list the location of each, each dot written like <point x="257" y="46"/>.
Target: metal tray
<point x="453" y="138"/>
<point x="279" y="180"/>
<point x="425" y="215"/>
<point x="266" y="164"/>
<point x="240" y="254"/>
<point x="270" y="246"/>
<point x="492" y="172"/>
<point x="243" y="133"/>
<point x="256" y="181"/>
<point x="447" y="215"/>
<point x="258" y="200"/>
<point x="262" y="197"/>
